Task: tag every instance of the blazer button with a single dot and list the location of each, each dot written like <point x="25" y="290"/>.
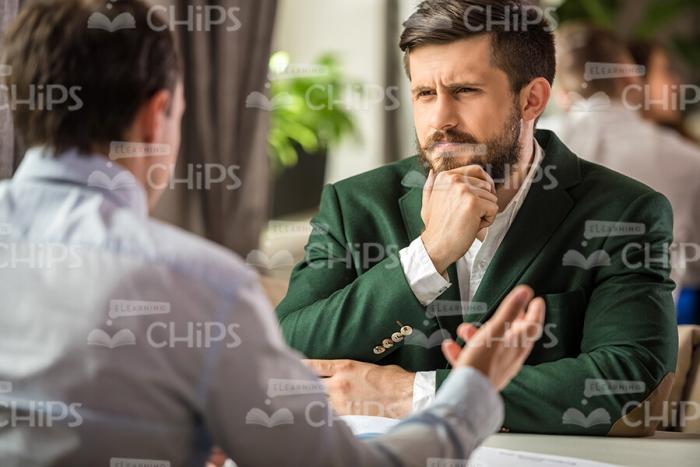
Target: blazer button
<point x="397" y="337"/>
<point x="387" y="343"/>
<point x="379" y="349"/>
<point x="406" y="330"/>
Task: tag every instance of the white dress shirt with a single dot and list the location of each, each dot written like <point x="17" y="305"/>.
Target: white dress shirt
<point x="125" y="341"/>
<point x="612" y="135"/>
<point x="427" y="284"/>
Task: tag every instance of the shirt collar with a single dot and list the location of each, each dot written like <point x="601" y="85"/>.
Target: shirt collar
<point x="90" y="171"/>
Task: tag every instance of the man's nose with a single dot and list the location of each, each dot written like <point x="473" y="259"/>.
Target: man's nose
<point x="444" y="113"/>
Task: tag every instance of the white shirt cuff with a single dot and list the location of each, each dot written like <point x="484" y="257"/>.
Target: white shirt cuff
<point x="423" y="390"/>
<point x="425" y="281"/>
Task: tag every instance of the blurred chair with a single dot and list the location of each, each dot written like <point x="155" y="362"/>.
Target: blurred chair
<point x="275" y="289"/>
<point x="684" y="406"/>
<point x="688" y="308"/>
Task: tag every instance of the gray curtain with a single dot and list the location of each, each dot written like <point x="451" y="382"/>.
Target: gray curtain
<point x="392" y="77"/>
<point x="8" y="10"/>
<point x="221" y="69"/>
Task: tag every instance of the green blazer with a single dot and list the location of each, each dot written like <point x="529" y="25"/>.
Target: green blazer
<point x="610" y="314"/>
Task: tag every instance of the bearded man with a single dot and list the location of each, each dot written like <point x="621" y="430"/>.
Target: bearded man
<point x="402" y="255"/>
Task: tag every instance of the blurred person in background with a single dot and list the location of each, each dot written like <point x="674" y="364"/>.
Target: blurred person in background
<point x="601" y="90"/>
<point x="663" y="81"/>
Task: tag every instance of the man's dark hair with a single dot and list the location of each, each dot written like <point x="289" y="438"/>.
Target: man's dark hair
<point x="642" y="50"/>
<point x="74" y="84"/>
<point x="522" y="38"/>
<point x="581" y="45"/>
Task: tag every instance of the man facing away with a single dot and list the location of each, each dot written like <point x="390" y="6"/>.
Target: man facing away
<point x="402" y="255"/>
<point x="603" y="123"/>
<point x="124" y="341"/>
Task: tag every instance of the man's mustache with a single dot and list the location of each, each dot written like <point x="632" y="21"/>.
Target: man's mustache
<point x="471" y="144"/>
<point x="449" y="136"/>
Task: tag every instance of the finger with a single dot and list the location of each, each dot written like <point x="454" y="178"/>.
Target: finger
<point x="536" y="312"/>
<point x="475" y="171"/>
<point x="473" y="182"/>
<point x="322" y="368"/>
<point x="489" y="208"/>
<point x="480" y="183"/>
<point x="451" y="350"/>
<point x="329" y="385"/>
<point x="428" y="187"/>
<point x="485" y="224"/>
<point x="485" y="195"/>
<point x="523" y="350"/>
<point x="466" y="331"/>
<point x="532" y="320"/>
<point x="509" y="309"/>
<point x="489" y="211"/>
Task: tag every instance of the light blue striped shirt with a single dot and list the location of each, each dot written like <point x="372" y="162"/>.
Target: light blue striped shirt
<point x="125" y="341"/>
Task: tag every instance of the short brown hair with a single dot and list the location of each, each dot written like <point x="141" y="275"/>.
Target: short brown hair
<point x="579" y="45"/>
<point x="525" y="50"/>
<point x="108" y="75"/>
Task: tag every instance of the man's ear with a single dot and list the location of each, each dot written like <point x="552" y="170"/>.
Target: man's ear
<point x="149" y="118"/>
<point x="534" y="98"/>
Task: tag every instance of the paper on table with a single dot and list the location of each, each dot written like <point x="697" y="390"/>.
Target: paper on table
<point x="368" y="427"/>
<point x="494" y="457"/>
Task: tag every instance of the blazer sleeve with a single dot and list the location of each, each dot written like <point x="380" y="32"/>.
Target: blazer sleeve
<point x="334" y="307"/>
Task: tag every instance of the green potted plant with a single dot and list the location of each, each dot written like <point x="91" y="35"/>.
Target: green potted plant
<point x="308" y="116"/>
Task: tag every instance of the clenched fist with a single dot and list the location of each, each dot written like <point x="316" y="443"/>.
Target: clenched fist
<point x="457" y="204"/>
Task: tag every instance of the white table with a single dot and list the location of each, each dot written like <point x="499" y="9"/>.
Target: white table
<point x="664" y="449"/>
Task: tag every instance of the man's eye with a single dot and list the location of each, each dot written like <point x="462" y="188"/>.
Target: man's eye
<point x="466" y="90"/>
<point x="425" y="93"/>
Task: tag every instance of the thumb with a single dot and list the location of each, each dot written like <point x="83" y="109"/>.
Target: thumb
<point x="428" y="190"/>
<point x="451" y="350"/>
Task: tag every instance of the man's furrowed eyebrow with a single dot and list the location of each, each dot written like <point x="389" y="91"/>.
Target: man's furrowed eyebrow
<point x="421" y="88"/>
<point x="464" y="84"/>
<point x="451" y="87"/>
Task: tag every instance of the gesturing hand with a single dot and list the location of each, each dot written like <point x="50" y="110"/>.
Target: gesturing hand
<point x="499" y="348"/>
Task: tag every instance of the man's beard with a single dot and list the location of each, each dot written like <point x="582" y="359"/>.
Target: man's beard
<point x="497" y="156"/>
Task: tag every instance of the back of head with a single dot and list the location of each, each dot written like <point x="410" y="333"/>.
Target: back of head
<point x="79" y="70"/>
<point x="641" y="51"/>
<point x="590" y="60"/>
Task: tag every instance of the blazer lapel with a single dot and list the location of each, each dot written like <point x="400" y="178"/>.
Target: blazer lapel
<point x="544" y="209"/>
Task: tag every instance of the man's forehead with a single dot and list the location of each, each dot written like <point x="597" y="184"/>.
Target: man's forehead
<point x="463" y="60"/>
